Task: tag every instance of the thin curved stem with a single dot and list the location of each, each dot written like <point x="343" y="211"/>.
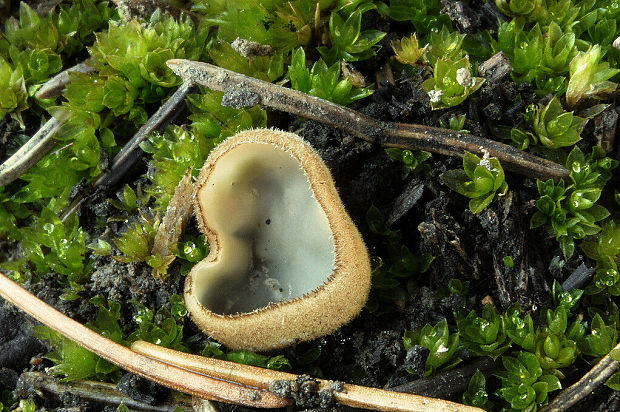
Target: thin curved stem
<point x="388" y="134"/>
<point x="30" y="152"/>
<point x="165" y="374"/>
<point x="348" y="394"/>
<point x="207" y="377"/>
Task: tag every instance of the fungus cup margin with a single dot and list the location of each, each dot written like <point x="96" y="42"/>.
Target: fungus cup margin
<point x="315" y="314"/>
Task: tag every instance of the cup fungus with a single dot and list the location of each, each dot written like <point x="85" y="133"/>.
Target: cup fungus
<point x="286" y="264"/>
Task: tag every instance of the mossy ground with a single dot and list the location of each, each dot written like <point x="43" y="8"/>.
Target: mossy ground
<point x="370" y="350"/>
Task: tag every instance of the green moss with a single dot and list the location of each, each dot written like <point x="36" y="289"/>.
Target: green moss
<point x="441" y="343"/>
<point x="480" y="179"/>
<point x="178" y="149"/>
<point x="563" y="47"/>
<point x="570" y="211"/>
<point x="33" y="46"/>
<point x="323" y="81"/>
<point x="277" y="362"/>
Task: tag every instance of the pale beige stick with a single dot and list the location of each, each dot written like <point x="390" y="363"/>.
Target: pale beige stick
<point x="57" y="84"/>
<point x="351" y="395"/>
<point x="31" y="152"/>
<point x="165" y="374"/>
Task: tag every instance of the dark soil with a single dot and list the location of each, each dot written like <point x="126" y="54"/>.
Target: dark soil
<point x="432" y="219"/>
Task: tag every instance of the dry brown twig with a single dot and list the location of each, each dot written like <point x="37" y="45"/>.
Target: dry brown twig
<point x="165" y="374"/>
<point x="350" y="395"/>
<point x="31" y="152"/>
<point x="131" y="151"/>
<point x="98" y="392"/>
<point x="247" y="91"/>
<point x="206" y="377"/>
<point x="43" y="140"/>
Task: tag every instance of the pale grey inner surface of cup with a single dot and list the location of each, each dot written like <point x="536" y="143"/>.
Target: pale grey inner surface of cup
<point x="275" y="240"/>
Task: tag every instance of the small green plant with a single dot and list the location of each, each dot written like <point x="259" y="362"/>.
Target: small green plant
<point x="589" y="77"/>
<point x="33" y="45"/>
<point x="541" y="54"/>
<point x="139" y="53"/>
<point x="516" y="7"/>
<point x="50" y="245"/>
<point x="394" y="279"/>
<point x="67" y="30"/>
<point x="566" y="299"/>
<point x="552" y="127"/>
<point x="524" y="384"/>
<point x="425" y="15"/>
<point x="602" y="338"/>
<point x="476" y="394"/>
<point x="455" y="286"/>
<point x="523" y="48"/>
<point x="408" y="50"/>
<point x="323" y="81"/>
<point x="161" y="327"/>
<point x="191" y="250"/>
<point x="412" y="161"/>
<point x="281" y="25"/>
<point x="348" y="41"/>
<point x="130" y="200"/>
<point x="480" y="179"/>
<point x="268" y="67"/>
<point x="556" y="347"/>
<point x="110" y="104"/>
<point x="484" y="335"/>
<point x="72" y="360"/>
<point x="14" y="94"/>
<point x="137" y="242"/>
<point x="455" y="123"/>
<point x="445" y="44"/>
<point x="451" y="83"/>
<point x="278" y="362"/>
<point x="520" y="329"/>
<point x="571" y="212"/>
<point x="558" y="50"/>
<point x="27" y="405"/>
<point x="439" y="341"/>
<point x="606" y="252"/>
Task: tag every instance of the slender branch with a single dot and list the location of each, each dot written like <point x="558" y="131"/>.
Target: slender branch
<point x="207" y="377"/>
<point x="55" y="86"/>
<point x="350" y="395"/>
<point x="450" y="382"/>
<point x="131" y="151"/>
<point x="388" y="134"/>
<point x="584" y="386"/>
<point x="100" y="392"/>
<point x="43" y="140"/>
<point x="165" y="374"/>
<point x="31" y="152"/>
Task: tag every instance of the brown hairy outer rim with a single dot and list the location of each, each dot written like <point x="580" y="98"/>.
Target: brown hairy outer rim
<point x="315" y="314"/>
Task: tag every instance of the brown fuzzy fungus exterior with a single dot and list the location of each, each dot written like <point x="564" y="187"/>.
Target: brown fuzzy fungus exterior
<point x="286" y="262"/>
